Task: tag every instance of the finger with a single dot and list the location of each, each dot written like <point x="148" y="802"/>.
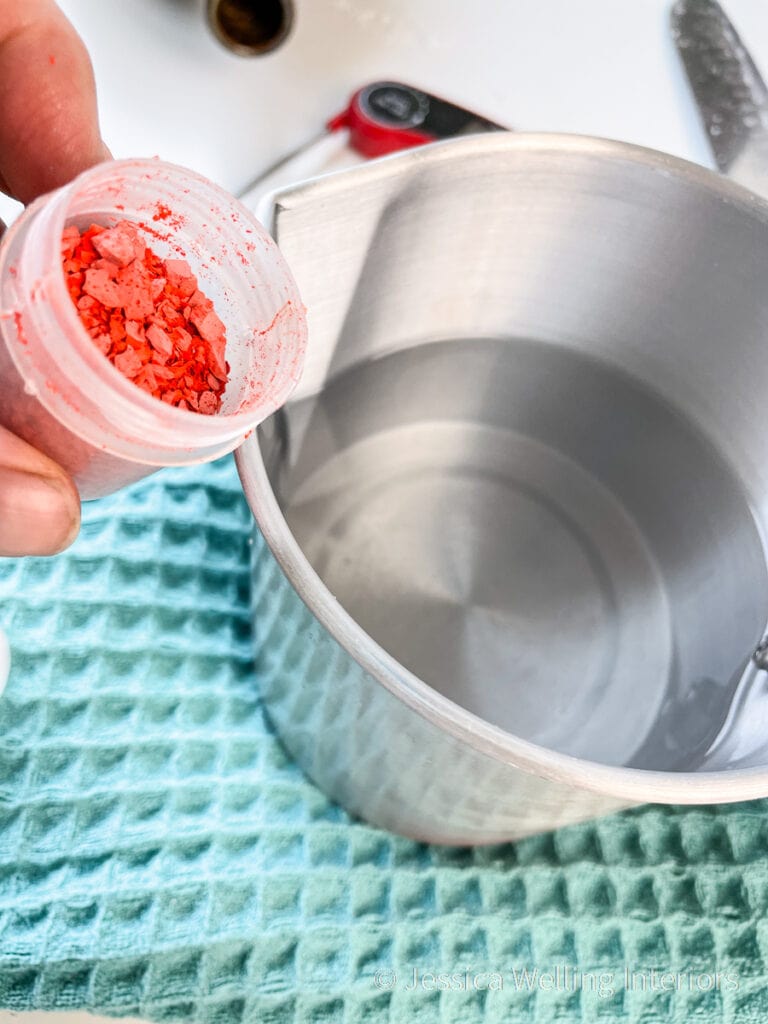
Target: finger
<point x="39" y="505"/>
<point x="49" y="129"/>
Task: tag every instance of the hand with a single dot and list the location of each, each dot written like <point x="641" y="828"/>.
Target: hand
<point x="49" y="132"/>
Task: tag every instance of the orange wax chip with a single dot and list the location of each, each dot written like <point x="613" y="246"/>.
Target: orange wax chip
<point x="159" y="340"/>
<point x="99" y="286"/>
<point x="107" y="265"/>
<point x="134" y="331"/>
<point x="70" y="236"/>
<point x="183" y="338"/>
<point x="217" y="361"/>
<point x="178" y="271"/>
<point x="207" y="403"/>
<point x="128" y="363"/>
<point x="121" y="244"/>
<point x="207" y="323"/>
<point x="136" y="291"/>
<point x="165" y="310"/>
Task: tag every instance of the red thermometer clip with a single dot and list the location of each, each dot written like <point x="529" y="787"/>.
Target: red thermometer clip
<point x="387" y="116"/>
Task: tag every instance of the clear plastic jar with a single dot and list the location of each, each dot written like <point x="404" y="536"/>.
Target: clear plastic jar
<point x="62" y="395"/>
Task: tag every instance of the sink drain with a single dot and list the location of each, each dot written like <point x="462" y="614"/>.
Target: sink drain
<point x="251" y="27"/>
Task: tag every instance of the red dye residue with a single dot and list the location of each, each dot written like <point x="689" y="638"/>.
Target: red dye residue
<point x="19" y="325"/>
<point x="147" y="315"/>
<point x="285" y="308"/>
<point x="163" y="212"/>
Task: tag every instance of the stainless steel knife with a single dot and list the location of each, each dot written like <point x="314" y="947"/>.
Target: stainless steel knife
<point x="730" y="93"/>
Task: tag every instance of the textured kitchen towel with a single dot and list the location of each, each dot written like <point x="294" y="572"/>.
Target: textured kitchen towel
<point x="161" y="856"/>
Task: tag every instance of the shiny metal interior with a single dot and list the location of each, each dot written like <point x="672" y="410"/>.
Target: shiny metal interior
<point x="529" y="455"/>
<point x="534" y="535"/>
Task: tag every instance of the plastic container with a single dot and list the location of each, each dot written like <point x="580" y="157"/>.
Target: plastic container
<point x="62" y="395"/>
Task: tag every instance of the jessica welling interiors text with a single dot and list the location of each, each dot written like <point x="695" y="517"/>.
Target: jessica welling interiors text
<point x="558" y="978"/>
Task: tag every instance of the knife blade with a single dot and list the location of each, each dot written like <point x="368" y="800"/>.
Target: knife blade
<point x="730" y="93"/>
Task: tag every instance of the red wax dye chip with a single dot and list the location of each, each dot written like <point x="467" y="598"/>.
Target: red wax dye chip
<point x="99" y="287"/>
<point x="122" y="244"/>
<point x="147" y="315"/>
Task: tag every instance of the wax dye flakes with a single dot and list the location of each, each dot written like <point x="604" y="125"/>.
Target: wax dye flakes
<point x="147" y="315"/>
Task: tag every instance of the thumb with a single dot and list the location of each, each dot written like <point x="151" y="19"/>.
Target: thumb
<point x="39" y="505"/>
<point x="49" y="129"/>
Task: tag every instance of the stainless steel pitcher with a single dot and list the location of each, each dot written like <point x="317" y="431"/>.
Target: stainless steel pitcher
<point x="513" y="567"/>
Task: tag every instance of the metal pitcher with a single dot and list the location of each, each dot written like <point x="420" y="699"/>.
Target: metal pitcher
<point x="511" y="570"/>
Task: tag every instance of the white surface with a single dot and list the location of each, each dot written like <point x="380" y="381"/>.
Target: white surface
<point x="602" y="67"/>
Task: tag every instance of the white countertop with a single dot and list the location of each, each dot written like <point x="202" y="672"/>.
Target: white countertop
<point x="600" y="67"/>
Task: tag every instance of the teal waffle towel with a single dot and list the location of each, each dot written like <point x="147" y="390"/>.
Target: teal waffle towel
<point x="161" y="856"/>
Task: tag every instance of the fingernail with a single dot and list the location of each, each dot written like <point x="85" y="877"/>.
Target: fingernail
<point x="39" y="515"/>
